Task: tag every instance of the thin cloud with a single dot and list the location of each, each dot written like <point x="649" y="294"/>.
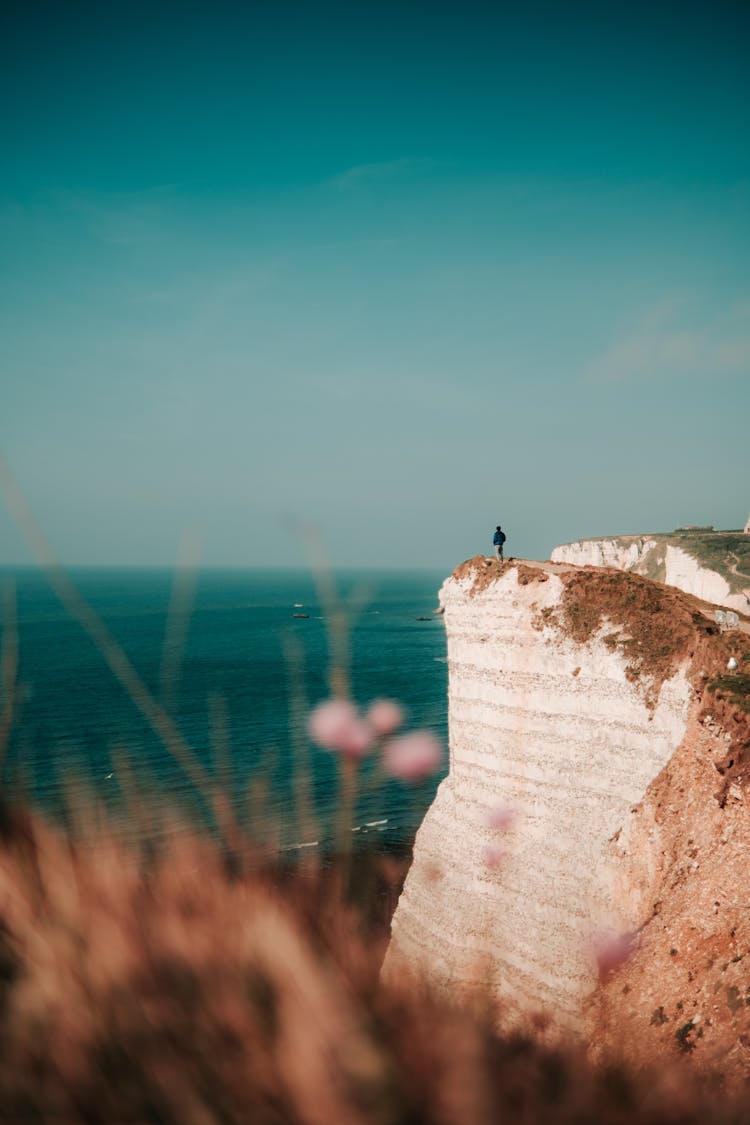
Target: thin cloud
<point x="120" y="218"/>
<point x="672" y="340"/>
<point x="362" y="175"/>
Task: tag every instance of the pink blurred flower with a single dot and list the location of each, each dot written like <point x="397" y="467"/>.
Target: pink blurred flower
<point x="385" y="716"/>
<point x="611" y="950"/>
<point x="493" y="857"/>
<point x="337" y="725"/>
<point x="500" y="816"/>
<point x="413" y="756"/>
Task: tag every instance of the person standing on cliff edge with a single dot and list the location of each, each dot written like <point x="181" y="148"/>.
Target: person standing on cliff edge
<point x="498" y="539"/>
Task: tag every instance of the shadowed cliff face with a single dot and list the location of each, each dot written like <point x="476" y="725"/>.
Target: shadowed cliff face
<point x="569" y="694"/>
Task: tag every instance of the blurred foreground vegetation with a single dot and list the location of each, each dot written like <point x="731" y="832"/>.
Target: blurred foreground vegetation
<point x="199" y="980"/>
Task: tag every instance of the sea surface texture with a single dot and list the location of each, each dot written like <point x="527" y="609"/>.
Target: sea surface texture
<point x="238" y="670"/>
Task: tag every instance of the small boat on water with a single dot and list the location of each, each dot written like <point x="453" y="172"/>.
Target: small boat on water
<point x="303" y="615"/>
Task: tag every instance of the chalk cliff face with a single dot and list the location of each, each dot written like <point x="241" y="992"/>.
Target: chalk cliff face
<point x="662" y="561"/>
<point x="599" y="785"/>
<point x="562" y="733"/>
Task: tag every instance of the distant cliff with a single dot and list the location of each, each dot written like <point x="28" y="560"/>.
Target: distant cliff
<point x="570" y="693"/>
<point x="711" y="565"/>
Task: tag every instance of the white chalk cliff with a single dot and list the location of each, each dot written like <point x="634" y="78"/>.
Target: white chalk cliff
<point x="662" y="561"/>
<point x="560" y="732"/>
<point x="611" y="714"/>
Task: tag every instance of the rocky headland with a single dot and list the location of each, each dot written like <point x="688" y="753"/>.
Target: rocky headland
<point x="711" y="565"/>
<point x="585" y="861"/>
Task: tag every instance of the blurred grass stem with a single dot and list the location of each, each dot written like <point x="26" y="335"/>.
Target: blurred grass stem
<point x="181" y="604"/>
<point x="299" y="708"/>
<point x="8" y="668"/>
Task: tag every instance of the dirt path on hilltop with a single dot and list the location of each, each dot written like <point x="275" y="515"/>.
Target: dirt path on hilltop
<point x="735" y="568"/>
<point x="548" y="566"/>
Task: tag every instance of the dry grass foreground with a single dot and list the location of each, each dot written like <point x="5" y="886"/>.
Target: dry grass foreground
<point x="190" y="984"/>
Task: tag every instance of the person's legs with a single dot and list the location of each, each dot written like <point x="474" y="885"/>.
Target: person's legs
<point x="498" y="551"/>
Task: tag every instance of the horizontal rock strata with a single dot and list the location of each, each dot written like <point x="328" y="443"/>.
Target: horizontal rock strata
<point x="563" y="734"/>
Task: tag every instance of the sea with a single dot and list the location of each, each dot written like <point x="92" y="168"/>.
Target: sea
<point x="237" y="658"/>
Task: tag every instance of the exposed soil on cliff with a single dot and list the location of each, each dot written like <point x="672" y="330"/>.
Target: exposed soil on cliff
<point x="652" y="626"/>
<point x="685" y="991"/>
<point x="485" y="572"/>
<point x="659" y="629"/>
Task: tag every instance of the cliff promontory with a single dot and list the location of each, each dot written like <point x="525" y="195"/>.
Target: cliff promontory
<point x="586" y="857"/>
<point x="711" y="565"/>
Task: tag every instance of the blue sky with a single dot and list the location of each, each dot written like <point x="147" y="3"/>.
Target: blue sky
<point x="394" y="271"/>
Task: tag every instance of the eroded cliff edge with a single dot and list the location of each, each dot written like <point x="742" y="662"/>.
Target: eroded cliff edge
<point x="580" y="701"/>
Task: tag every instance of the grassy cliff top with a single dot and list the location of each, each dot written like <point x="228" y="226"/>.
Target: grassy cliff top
<point x="726" y="552"/>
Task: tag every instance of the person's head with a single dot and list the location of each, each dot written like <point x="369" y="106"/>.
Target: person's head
<point x="498" y="528"/>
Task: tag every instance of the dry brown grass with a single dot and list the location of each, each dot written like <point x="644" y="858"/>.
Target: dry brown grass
<point x="657" y="629"/>
<point x="191" y="983"/>
<point x="484" y="572"/>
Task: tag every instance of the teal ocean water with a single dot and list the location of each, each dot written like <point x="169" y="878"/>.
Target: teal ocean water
<point x="76" y="726"/>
